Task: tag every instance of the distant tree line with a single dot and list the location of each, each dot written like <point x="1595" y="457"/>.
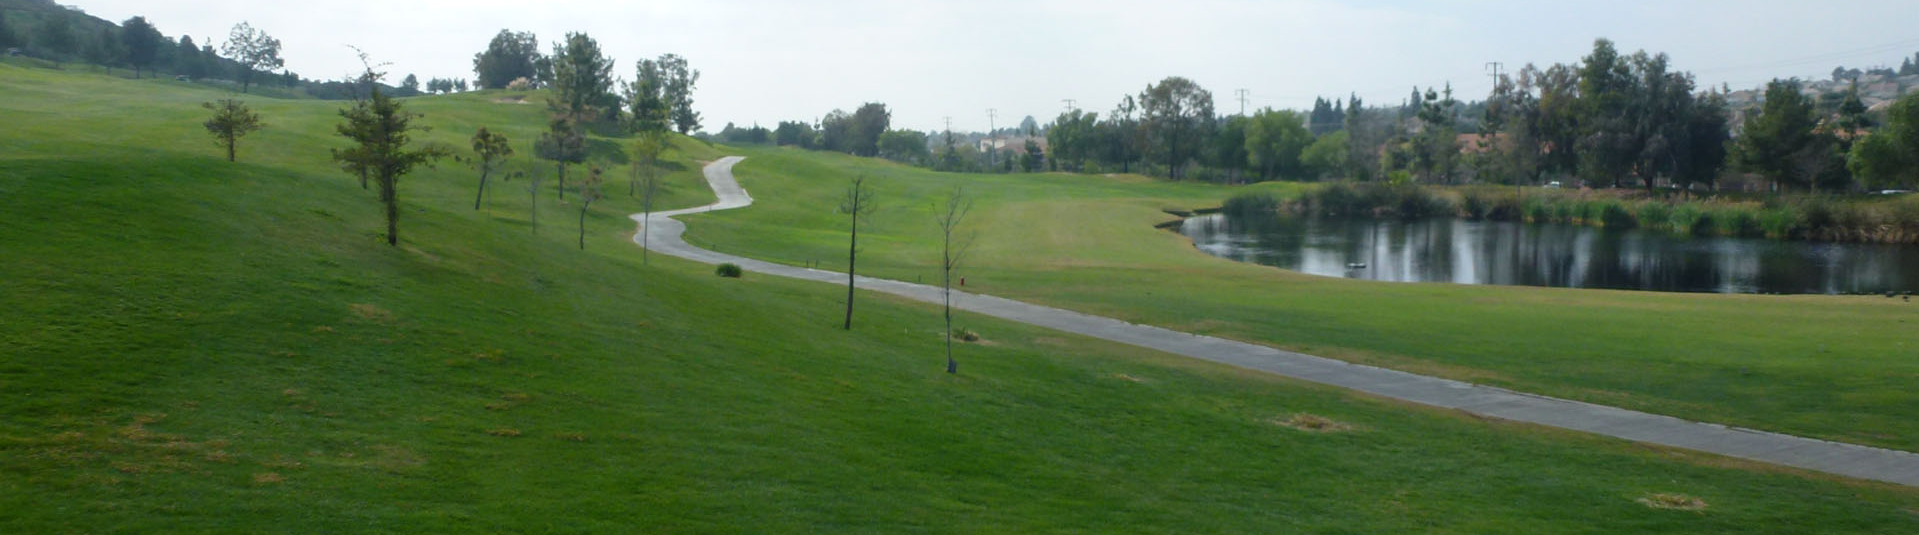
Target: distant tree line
<point x="1609" y="120"/>
<point x="248" y="57"/>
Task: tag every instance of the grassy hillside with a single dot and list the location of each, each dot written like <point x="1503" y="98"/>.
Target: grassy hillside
<point x="1825" y="366"/>
<point x="196" y="346"/>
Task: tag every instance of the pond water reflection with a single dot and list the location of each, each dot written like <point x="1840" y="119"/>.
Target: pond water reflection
<point x="1571" y="256"/>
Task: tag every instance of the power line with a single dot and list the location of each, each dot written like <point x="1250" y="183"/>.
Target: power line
<point x="1242" y="100"/>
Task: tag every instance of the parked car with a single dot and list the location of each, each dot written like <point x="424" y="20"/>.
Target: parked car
<point x="1554" y="184"/>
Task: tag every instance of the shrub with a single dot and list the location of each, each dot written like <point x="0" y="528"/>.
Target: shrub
<point x="1691" y="219"/>
<point x="1653" y="215"/>
<point x="1738" y="221"/>
<point x="730" y="270"/>
<point x="1474" y="205"/>
<point x="1778" y="222"/>
<point x="1250" y="203"/>
<point x="1506" y="208"/>
<point x="1612" y="214"/>
<point x="1538" y="211"/>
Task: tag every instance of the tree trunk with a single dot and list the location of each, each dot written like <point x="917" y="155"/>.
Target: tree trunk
<point x="388" y="198"/>
<point x="482" y="194"/>
<point x="561" y="187"/>
<point x="230" y="149"/>
<point x="583" y="225"/>
<point x="852" y="252"/>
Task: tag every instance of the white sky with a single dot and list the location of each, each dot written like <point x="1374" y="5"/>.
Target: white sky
<point x="768" y="60"/>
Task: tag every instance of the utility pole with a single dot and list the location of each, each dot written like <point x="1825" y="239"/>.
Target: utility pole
<point x="1070" y="104"/>
<point x="1242" y="101"/>
<point x="992" y="135"/>
<point x="1495" y="66"/>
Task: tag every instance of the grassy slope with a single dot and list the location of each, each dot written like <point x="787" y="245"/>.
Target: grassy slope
<point x="197" y="346"/>
<point x="1833" y="367"/>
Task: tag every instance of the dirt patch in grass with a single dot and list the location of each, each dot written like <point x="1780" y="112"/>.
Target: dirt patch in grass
<point x="1313" y="423"/>
<point x="1677" y="502"/>
<point x="504" y="432"/>
<point x="1128" y="378"/>
<point x="268" y="478"/>
<point x="372" y="313"/>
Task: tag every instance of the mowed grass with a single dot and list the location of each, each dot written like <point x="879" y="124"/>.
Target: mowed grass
<point x="196" y="346"/>
<point x="1832" y="367"/>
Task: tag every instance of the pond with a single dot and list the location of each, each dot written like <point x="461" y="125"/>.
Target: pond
<point x="1558" y="255"/>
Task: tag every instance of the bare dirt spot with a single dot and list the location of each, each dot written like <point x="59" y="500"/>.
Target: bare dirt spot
<point x="511" y="99"/>
<point x="1128" y="378"/>
<point x="371" y="312"/>
<point x="268" y="478"/>
<point x="504" y="432"/>
<point x="1678" y="502"/>
<point x="1313" y="423"/>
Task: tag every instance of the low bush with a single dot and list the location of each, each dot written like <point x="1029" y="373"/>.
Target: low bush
<point x="1250" y="203"/>
<point x="1613" y="214"/>
<point x="729" y="270"/>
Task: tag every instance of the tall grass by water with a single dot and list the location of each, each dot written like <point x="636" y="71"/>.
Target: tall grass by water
<point x="1786" y="217"/>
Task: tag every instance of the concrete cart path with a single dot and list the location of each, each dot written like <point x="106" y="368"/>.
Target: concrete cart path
<point x="663" y="234"/>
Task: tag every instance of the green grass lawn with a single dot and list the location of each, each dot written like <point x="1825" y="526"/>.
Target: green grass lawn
<point x="1832" y="367"/>
<point x="196" y="346"/>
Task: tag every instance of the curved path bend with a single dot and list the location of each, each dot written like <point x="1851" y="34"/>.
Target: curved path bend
<point x="1851" y="460"/>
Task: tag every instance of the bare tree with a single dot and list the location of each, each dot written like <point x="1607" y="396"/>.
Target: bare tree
<point x="648" y="147"/>
<point x="949" y="218"/>
<point x="857" y="205"/>
<point x="231" y="121"/>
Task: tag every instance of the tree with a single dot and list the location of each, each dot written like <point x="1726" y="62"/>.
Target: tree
<point x="187" y="60"/>
<point x="1780" y="142"/>
<point x="106" y="50"/>
<point x="1434" y="150"/>
<point x="589" y="192"/>
<point x="563" y="143"/>
<point x="949" y="218"/>
<point x="677" y="89"/>
<point x="858" y="206"/>
<point x="55" y="35"/>
<point x="794" y="133"/>
<point x="1326" y="157"/>
<point x="1175" y="110"/>
<point x="1033" y="158"/>
<point x="7" y="38"/>
<point x="582" y="80"/>
<point x="409" y="86"/>
<point x="231" y="121"/>
<point x="254" y="50"/>
<point x="869" y="122"/>
<point x="1700" y="149"/>
<point x="908" y="146"/>
<point x="509" y="56"/>
<point x="492" y="151"/>
<point x="1274" y="140"/>
<point x="1125" y="136"/>
<point x="648" y="110"/>
<point x="1889" y="158"/>
<point x="1362" y="156"/>
<point x="379" y="128"/>
<point x="142" y="44"/>
<point x="647" y="147"/>
<point x="1074" y="138"/>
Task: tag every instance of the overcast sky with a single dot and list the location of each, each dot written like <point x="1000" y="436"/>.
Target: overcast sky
<point x="767" y="60"/>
